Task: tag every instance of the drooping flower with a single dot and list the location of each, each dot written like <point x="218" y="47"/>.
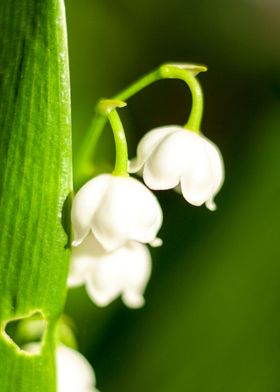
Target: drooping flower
<point x="107" y="275"/>
<point x="73" y="372"/>
<point x="116" y="210"/>
<point x="174" y="157"/>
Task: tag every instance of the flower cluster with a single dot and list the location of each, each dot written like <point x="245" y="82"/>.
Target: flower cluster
<point x="115" y="216"/>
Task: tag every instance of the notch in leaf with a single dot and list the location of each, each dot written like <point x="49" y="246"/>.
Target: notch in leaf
<point x="23" y="331"/>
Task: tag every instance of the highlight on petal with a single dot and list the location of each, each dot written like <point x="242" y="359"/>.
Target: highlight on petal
<point x="124" y="272"/>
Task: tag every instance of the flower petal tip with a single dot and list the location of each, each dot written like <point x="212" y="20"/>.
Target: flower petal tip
<point x="156" y="242"/>
<point x="76" y="243"/>
<point x="133" y="166"/>
<point x="211" y="205"/>
<point x="101" y="299"/>
<point x="133" y="300"/>
<point x="71" y="283"/>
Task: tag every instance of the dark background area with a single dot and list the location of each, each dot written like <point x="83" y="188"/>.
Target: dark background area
<point x="211" y="321"/>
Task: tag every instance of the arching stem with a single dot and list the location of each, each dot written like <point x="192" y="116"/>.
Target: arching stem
<point x="108" y="107"/>
<point x="83" y="166"/>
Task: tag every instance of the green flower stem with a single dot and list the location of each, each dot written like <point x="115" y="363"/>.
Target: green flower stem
<point x="121" y="163"/>
<point x="188" y="76"/>
<point x="83" y="166"/>
<point x="140" y="84"/>
<point x="108" y="107"/>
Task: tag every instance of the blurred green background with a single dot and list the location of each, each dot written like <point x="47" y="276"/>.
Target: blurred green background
<point x="211" y="321"/>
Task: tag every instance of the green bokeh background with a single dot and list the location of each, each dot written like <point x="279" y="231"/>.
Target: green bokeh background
<point x="211" y="321"/>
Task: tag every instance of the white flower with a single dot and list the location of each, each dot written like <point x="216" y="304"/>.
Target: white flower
<point x="107" y="275"/>
<point x="116" y="210"/>
<point x="73" y="372"/>
<point x="173" y="157"/>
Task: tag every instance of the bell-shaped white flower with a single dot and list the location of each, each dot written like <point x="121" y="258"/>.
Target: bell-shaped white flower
<point x="107" y="275"/>
<point x="115" y="209"/>
<point x="174" y="157"/>
<point x="73" y="372"/>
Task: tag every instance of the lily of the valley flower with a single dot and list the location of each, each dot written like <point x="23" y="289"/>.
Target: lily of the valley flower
<point x="73" y="372"/>
<point x="116" y="210"/>
<point x="172" y="157"/>
<point x="107" y="275"/>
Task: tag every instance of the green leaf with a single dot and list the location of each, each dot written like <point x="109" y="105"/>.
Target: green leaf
<point x="35" y="181"/>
